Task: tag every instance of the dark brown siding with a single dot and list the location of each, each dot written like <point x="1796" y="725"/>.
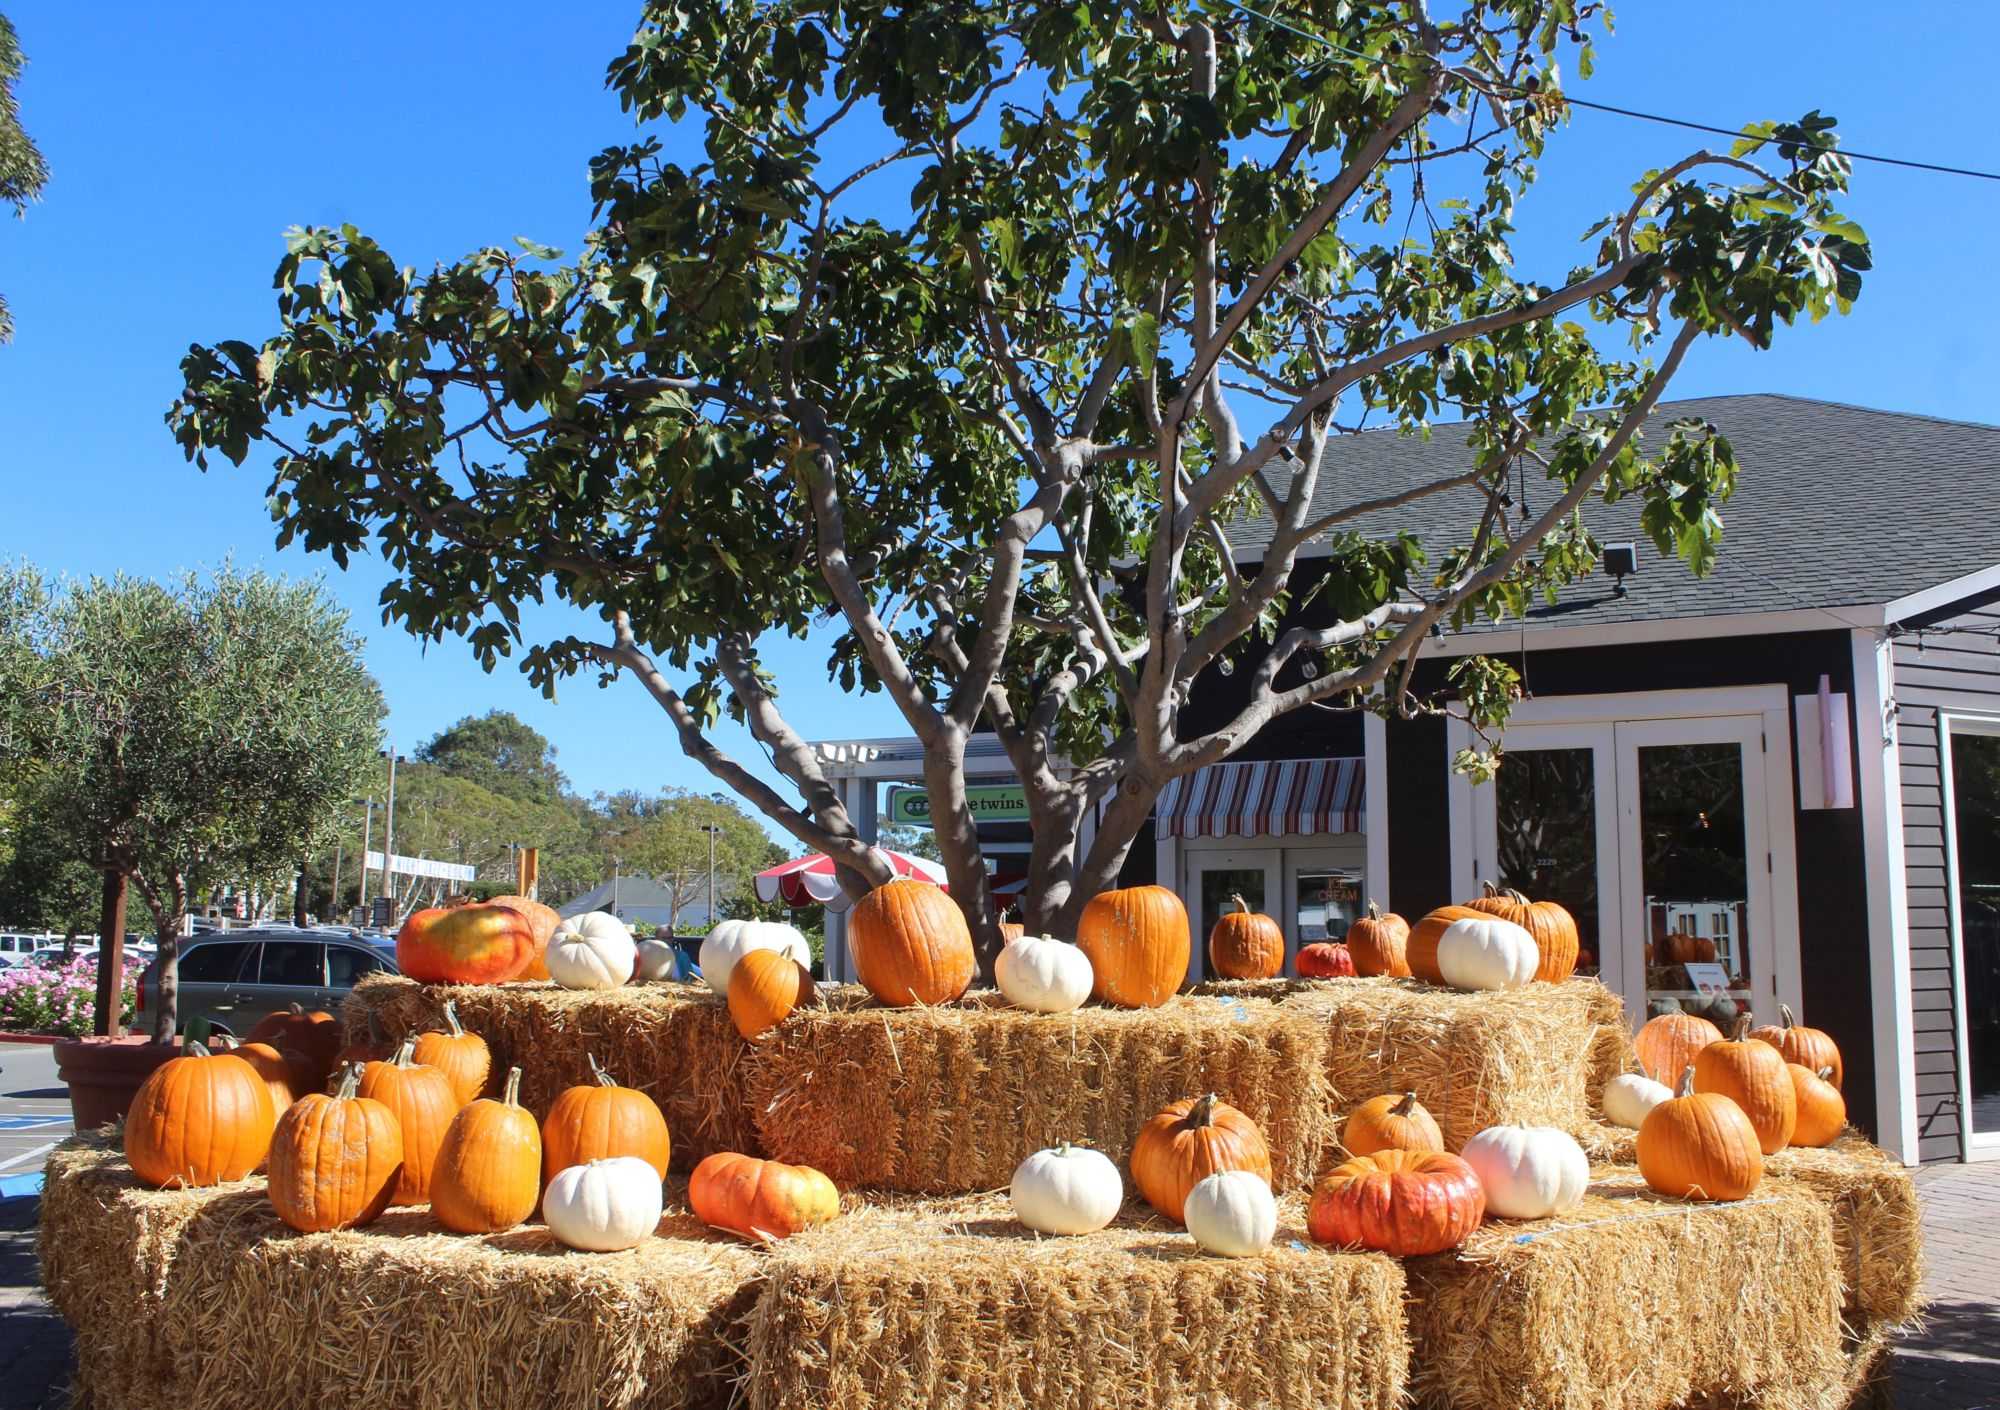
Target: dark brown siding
<point x="1950" y="670"/>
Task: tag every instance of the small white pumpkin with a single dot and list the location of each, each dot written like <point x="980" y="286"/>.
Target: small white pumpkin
<point x="1067" y="1190"/>
<point x="591" y="951"/>
<point x="658" y="960"/>
<point x="1048" y="976"/>
<point x="1487" y="953"/>
<point x="1630" y="1095"/>
<point x="1232" y="1213"/>
<point x="605" y="1205"/>
<point x="1529" y="1172"/>
<point x="733" y="939"/>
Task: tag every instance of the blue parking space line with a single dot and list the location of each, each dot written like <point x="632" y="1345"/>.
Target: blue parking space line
<point x="31" y="1123"/>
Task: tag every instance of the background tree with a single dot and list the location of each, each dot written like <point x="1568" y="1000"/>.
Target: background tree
<point x="23" y="173"/>
<point x="501" y="753"/>
<point x="664" y="839"/>
<point x="996" y="434"/>
<point x="45" y="883"/>
<point x="189" y="734"/>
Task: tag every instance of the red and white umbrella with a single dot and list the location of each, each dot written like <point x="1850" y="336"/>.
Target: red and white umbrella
<point x="810" y="881"/>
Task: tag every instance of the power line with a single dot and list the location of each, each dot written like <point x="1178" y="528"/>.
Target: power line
<point x="1627" y="112"/>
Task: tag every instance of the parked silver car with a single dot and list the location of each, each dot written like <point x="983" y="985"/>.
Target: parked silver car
<point x="237" y="978"/>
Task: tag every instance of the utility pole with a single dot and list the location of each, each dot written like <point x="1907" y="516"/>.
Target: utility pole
<point x="711" y="829"/>
<point x="614" y="885"/>
<point x="389" y="836"/>
<point x="367" y="827"/>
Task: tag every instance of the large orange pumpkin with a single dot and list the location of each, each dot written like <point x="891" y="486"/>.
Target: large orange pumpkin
<point x="315" y="1036"/>
<point x="1421" y="953"/>
<point x="1699" y="1145"/>
<point x="335" y="1160"/>
<point x="764" y="987"/>
<point x="910" y="944"/>
<point x="1138" y="943"/>
<point x="1752" y="1074"/>
<point x="760" y="1199"/>
<point x="1810" y="1048"/>
<point x="1668" y="1043"/>
<point x="199" y="1120"/>
<point x="1190" y="1141"/>
<point x="1245" y="945"/>
<point x="1379" y="944"/>
<point x="1402" y="1202"/>
<point x="543" y="920"/>
<point x="1391" y="1122"/>
<point x="424" y="1104"/>
<point x="488" y="1174"/>
<point x="465" y="945"/>
<point x="1822" y="1110"/>
<point x="599" y="1119"/>
<point x="461" y="1056"/>
<point x="1553" y="927"/>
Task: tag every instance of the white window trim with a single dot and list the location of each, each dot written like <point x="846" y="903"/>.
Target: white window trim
<point x="1986" y="1145"/>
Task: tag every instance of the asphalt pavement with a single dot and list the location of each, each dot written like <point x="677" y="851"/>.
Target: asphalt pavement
<point x="34" y="1114"/>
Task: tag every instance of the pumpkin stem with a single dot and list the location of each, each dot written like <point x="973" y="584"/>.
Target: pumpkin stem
<point x="1242" y="906"/>
<point x="1404" y="1107"/>
<point x="298" y="1010"/>
<point x="405" y="1050"/>
<point x="193" y="1049"/>
<point x="1742" y="1028"/>
<point x="1687" y="1082"/>
<point x="1516" y="897"/>
<point x="450" y="1018"/>
<point x="604" y="1079"/>
<point x="350" y="1082"/>
<point x="1825" y="1074"/>
<point x="1488" y="890"/>
<point x="1202" y="1113"/>
<point x="1785" y="1016"/>
<point x="1374" y="911"/>
<point x="512" y="1095"/>
<point x="222" y="1042"/>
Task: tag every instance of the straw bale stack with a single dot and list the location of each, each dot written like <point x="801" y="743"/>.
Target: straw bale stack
<point x="949" y="1100"/>
<point x="1637" y="1302"/>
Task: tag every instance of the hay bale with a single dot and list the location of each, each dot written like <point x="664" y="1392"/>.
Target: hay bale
<point x="949" y="1304"/>
<point x="672" y="1041"/>
<point x="400" y="1316"/>
<point x="1877" y="1224"/>
<point x="1637" y="1302"/>
<point x="949" y="1100"/>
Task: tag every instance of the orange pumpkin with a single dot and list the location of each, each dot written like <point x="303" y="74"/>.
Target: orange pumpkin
<point x="199" y="1120"/>
<point x="335" y="1160"/>
<point x="599" y="1119"/>
<point x="1379" y="944"/>
<point x="461" y="1056"/>
<point x="910" y="944"/>
<point x="1687" y="949"/>
<point x="283" y="1073"/>
<point x="1752" y="1074"/>
<point x="764" y="988"/>
<point x="541" y="919"/>
<point x="1190" y="1141"/>
<point x="376" y="1047"/>
<point x="315" y="1036"/>
<point x="1421" y="953"/>
<point x="424" y="1104"/>
<point x="1810" y="1048"/>
<point x="1391" y="1122"/>
<point x="1822" y="1109"/>
<point x="1325" y="961"/>
<point x="1699" y="1145"/>
<point x="760" y="1199"/>
<point x="488" y="1174"/>
<point x="1553" y="927"/>
<point x="465" y="945"/>
<point x="1402" y="1202"/>
<point x="1138" y="943"/>
<point x="1246" y="945"/>
<point x="1668" y="1043"/>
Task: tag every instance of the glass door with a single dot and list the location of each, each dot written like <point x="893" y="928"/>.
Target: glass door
<point x="1975" y="912"/>
<point x="1215" y="880"/>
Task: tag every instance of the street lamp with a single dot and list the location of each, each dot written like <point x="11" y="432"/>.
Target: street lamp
<point x="389" y="833"/>
<point x="614" y="885"/>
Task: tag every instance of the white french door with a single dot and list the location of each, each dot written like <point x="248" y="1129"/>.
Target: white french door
<point x="1664" y="836"/>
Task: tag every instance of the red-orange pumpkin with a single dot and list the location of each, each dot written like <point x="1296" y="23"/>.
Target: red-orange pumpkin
<point x="1379" y="944"/>
<point x="1138" y="943"/>
<point x="465" y="945"/>
<point x="760" y="1199"/>
<point x="1190" y="1141"/>
<point x="911" y="944"/>
<point x="1402" y="1202"/>
<point x="1326" y="960"/>
<point x="1245" y="945"/>
<point x="1553" y="928"/>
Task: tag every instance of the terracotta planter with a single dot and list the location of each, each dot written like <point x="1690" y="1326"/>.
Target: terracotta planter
<point x="104" y="1074"/>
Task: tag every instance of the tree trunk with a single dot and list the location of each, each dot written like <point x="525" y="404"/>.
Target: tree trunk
<point x="957" y="837"/>
<point x="111" y="957"/>
<point x="299" y="898"/>
<point x="1130" y="806"/>
<point x="1057" y="825"/>
<point x="169" y="916"/>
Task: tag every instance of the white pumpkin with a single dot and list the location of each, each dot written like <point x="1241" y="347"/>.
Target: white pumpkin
<point x="1629" y="1096"/>
<point x="1487" y="953"/>
<point x="1048" y="976"/>
<point x="733" y="939"/>
<point x="1232" y="1213"/>
<point x="591" y="951"/>
<point x="1529" y="1172"/>
<point x="605" y="1205"/>
<point x="658" y="960"/>
<point x="1067" y="1190"/>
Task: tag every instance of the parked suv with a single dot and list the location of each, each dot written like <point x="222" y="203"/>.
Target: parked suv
<point x="235" y="979"/>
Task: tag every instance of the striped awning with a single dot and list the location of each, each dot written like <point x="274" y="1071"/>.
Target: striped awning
<point x="1264" y="799"/>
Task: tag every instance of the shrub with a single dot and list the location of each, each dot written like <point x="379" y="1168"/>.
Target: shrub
<point x="60" y="999"/>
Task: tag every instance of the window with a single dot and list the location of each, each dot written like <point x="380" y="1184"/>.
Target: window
<point x="347" y="965"/>
<point x="213" y="964"/>
<point x="295" y="962"/>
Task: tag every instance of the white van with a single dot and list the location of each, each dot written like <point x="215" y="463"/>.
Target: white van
<point x="16" y="947"/>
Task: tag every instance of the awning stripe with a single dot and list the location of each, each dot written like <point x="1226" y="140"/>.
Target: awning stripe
<point x="1263" y="798"/>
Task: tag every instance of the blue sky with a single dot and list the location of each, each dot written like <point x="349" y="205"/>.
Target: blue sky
<point x="184" y="139"/>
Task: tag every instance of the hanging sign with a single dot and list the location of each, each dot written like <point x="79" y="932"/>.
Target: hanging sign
<point x="988" y="802"/>
<point x="400" y="865"/>
<point x="1711" y="981"/>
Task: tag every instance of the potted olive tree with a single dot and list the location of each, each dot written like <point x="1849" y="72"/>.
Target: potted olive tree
<point x="191" y="733"/>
